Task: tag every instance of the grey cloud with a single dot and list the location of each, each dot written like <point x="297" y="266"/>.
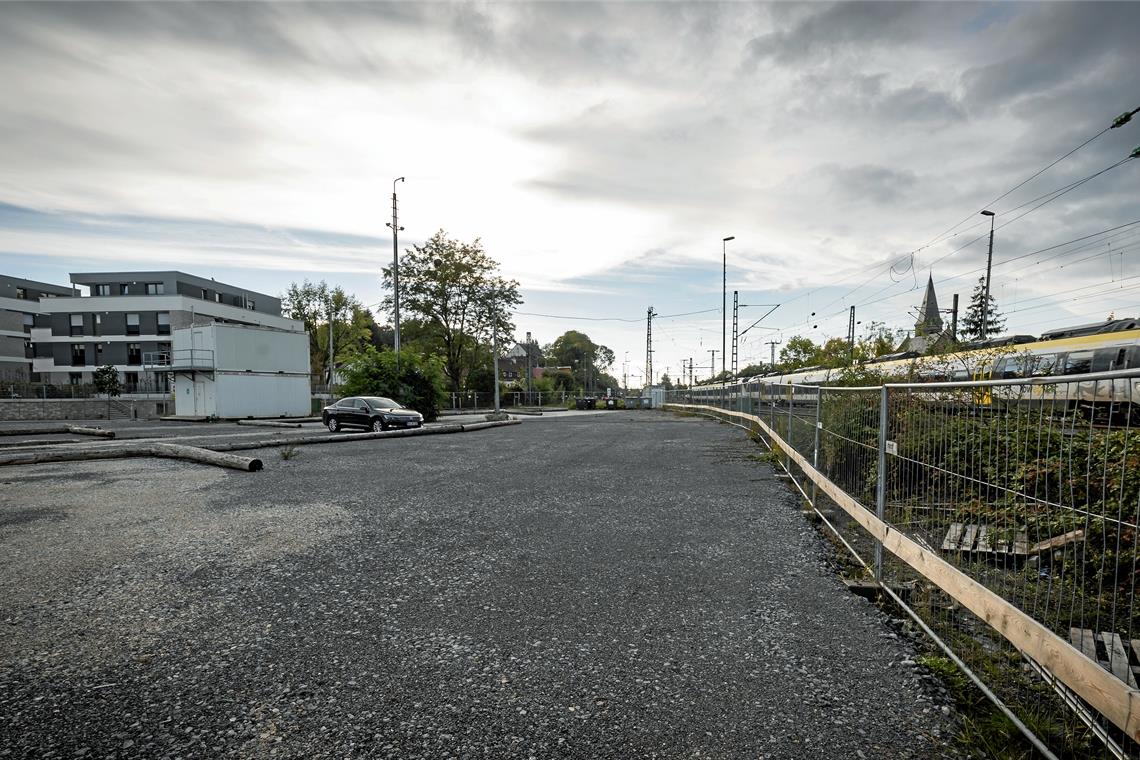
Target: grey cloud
<point x="865" y="183"/>
<point x="1057" y="44"/>
<point x="853" y="24"/>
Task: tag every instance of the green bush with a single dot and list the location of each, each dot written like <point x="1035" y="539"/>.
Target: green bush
<point x="419" y="383"/>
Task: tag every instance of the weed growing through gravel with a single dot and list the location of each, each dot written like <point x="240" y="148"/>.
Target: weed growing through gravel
<point x="288" y="452"/>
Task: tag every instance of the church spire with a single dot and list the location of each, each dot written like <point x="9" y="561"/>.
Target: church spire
<point x="929" y="320"/>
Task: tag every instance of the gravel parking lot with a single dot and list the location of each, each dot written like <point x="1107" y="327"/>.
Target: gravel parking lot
<point x="629" y="584"/>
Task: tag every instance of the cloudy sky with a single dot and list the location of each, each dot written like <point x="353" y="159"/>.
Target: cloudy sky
<point x="601" y="152"/>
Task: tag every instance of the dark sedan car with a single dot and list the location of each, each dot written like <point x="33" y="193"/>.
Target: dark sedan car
<point x="372" y="412"/>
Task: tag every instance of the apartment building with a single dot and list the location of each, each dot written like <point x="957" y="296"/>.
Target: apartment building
<point x="125" y="319"/>
<point x="19" y="304"/>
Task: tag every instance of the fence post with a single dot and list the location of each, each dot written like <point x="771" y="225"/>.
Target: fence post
<point x="815" y="446"/>
<point x="788" y="439"/>
<point x="881" y="485"/>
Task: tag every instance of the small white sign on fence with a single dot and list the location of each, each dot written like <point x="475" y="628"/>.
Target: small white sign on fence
<point x="893" y="448"/>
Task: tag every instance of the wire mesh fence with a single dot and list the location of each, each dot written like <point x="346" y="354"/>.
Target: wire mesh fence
<point x="1030" y="488"/>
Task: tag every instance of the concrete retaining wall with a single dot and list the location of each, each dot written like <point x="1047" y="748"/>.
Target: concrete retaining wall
<point x="80" y="409"/>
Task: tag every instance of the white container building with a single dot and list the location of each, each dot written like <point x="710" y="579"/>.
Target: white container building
<point x="228" y="370"/>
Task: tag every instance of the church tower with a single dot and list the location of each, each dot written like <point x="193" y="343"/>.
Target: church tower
<point x="929" y="320"/>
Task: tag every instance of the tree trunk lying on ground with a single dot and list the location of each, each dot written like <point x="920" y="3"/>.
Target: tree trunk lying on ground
<point x="269" y="423"/>
<point x="167" y="450"/>
<point x="49" y="429"/>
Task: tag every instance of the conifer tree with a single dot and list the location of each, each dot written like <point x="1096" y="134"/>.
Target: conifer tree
<point x="971" y="326"/>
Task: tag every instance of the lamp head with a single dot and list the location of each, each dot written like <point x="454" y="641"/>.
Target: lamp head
<point x="730" y="237"/>
<point x="987" y="213"/>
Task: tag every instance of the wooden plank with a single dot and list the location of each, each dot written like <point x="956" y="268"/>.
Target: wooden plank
<point x="1084" y="640"/>
<point x="1020" y="543"/>
<point x="1100" y="689"/>
<point x="950" y="543"/>
<point x="1056" y="542"/>
<point x="1117" y="658"/>
<point x="984" y="539"/>
<point x="968" y="539"/>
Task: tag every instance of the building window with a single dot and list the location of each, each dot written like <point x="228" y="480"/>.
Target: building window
<point x="97" y="320"/>
<point x="98" y="354"/>
<point x="131" y="381"/>
<point x="78" y="354"/>
<point x="134" y="353"/>
<point x="205" y="295"/>
<point x="22" y="294"/>
<point x="163" y="323"/>
<point x="75" y="378"/>
<point x="29" y="322"/>
<point x="76" y="324"/>
<point x="132" y="324"/>
<point x="249" y="304"/>
<point x="124" y="290"/>
<point x="154" y="289"/>
<point x="102" y="290"/>
<point x="217" y="298"/>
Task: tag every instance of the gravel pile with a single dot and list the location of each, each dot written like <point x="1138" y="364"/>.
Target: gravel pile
<point x="629" y="585"/>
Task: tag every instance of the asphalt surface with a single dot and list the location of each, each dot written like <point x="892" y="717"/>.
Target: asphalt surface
<point x="628" y="584"/>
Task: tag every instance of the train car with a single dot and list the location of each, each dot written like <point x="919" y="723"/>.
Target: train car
<point x="1062" y="353"/>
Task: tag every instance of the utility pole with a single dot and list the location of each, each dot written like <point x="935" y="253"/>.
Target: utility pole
<point x="954" y="319"/>
<point x="723" y="296"/>
<point x="649" y="348"/>
<point x="529" y="388"/>
<point x="735" y="326"/>
<point x="989" y="265"/>
<point x="495" y="352"/>
<point x="396" y="228"/>
<point x="625" y="375"/>
<point x="712" y="366"/>
<point x="851" y="336"/>
<point x="772" y="345"/>
<point x="331" y="367"/>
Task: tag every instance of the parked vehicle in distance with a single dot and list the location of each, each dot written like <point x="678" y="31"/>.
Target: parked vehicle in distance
<point x="372" y="412"/>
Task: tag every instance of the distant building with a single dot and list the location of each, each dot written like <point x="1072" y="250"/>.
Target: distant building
<point x="514" y="364"/>
<point x="19" y="304"/>
<point x="121" y="319"/>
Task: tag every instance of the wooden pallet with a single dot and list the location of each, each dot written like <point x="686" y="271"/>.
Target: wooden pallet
<point x="1110" y="652"/>
<point x="982" y="539"/>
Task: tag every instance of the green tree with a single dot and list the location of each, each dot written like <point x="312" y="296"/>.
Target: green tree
<point x="419" y="382"/>
<point x="752" y="370"/>
<point x="588" y="360"/>
<point x="798" y="352"/>
<point x="456" y="290"/>
<point x="971" y="326"/>
<point x="315" y="304"/>
<point x="106" y="380"/>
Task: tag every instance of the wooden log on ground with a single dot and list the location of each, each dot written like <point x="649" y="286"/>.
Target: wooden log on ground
<point x="269" y="423"/>
<point x="100" y="432"/>
<point x="304" y="440"/>
<point x="73" y="455"/>
<point x="484" y="425"/>
<point x="167" y="450"/>
<point x="205" y="456"/>
<point x="42" y="430"/>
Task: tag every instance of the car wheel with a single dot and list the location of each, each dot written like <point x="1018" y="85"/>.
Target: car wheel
<point x="333" y="425"/>
<point x="378" y="425"/>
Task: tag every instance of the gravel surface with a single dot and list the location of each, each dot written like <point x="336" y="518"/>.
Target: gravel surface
<point x="622" y="585"/>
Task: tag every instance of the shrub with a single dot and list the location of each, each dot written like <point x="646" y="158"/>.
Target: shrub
<point x="419" y="382"/>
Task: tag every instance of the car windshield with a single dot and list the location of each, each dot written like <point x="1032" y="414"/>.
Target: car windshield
<point x="382" y="403"/>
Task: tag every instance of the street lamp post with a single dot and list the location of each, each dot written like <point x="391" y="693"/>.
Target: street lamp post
<point x="989" y="265"/>
<point x="723" y="301"/>
<point x="396" y="270"/>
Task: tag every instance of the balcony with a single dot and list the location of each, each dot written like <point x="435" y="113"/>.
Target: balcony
<point x="180" y="360"/>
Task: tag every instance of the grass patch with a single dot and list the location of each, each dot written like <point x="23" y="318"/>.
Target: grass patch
<point x="289" y="452"/>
